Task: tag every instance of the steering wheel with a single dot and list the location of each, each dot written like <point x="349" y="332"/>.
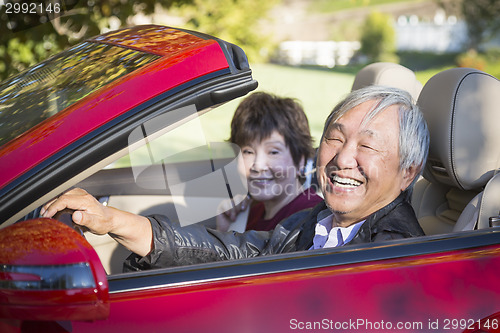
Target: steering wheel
<point x="65" y="216"/>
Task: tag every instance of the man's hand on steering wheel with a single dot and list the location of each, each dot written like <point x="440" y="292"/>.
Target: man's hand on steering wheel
<point x="79" y="207"/>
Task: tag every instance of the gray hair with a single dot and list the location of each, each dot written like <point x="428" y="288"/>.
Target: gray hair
<point x="413" y="131"/>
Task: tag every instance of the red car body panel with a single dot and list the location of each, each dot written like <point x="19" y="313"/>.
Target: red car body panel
<point x="413" y="292"/>
<point x="362" y="297"/>
<point x="180" y="63"/>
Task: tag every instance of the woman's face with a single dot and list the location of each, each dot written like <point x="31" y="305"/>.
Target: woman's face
<point x="270" y="170"/>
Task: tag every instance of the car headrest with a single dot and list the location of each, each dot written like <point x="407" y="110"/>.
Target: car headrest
<point x="461" y="107"/>
<point x="388" y="74"/>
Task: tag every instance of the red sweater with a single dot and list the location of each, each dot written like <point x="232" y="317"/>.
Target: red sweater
<point x="304" y="200"/>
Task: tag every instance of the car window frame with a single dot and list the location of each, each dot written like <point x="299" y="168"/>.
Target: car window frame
<point x="53" y="176"/>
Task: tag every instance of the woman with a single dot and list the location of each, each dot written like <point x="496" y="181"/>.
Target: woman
<point x="275" y="141"/>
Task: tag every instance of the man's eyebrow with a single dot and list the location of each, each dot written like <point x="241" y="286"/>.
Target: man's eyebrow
<point x="340" y="127"/>
<point x="368" y="132"/>
<point x="336" y="126"/>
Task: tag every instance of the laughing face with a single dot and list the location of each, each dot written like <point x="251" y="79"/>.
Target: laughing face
<point x="358" y="163"/>
<point x="271" y="172"/>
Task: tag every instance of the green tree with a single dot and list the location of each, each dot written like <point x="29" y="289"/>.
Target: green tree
<point x="232" y="20"/>
<point x="378" y="38"/>
<point x="26" y="39"/>
<point x="21" y="47"/>
<point x="483" y="20"/>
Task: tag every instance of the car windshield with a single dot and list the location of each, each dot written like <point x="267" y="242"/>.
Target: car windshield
<point x="55" y="84"/>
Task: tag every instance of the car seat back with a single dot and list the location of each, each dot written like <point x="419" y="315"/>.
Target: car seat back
<point x="483" y="211"/>
<point x="388" y="74"/>
<point x="461" y="109"/>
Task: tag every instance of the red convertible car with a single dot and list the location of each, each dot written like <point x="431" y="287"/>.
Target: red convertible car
<point x="123" y="116"/>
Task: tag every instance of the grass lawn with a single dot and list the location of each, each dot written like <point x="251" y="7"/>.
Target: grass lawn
<point x="317" y="90"/>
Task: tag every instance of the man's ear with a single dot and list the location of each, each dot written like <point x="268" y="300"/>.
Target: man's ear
<point x="409" y="175"/>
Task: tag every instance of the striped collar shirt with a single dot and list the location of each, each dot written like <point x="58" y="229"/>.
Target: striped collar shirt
<point x="325" y="236"/>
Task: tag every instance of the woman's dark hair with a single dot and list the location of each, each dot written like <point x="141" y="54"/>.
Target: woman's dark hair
<point x="261" y="113"/>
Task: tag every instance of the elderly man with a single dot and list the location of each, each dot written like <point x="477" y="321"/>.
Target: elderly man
<point x="374" y="146"/>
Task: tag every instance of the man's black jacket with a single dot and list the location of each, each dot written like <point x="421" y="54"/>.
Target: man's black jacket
<point x="174" y="245"/>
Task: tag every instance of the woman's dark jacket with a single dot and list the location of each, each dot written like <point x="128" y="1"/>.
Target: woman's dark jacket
<point x="174" y="245"/>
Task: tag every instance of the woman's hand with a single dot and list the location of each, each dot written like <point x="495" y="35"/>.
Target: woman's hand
<point x="228" y="214"/>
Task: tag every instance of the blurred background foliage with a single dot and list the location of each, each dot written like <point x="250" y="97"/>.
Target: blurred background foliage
<point x="238" y="21"/>
<point x="483" y="20"/>
<point x="24" y="41"/>
<point x="28" y="43"/>
<point x="378" y="38"/>
<point x="231" y="20"/>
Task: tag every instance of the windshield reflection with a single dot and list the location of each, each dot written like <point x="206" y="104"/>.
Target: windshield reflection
<point x="55" y="84"/>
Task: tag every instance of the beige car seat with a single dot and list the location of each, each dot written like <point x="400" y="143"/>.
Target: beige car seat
<point x="462" y="111"/>
<point x="388" y="74"/>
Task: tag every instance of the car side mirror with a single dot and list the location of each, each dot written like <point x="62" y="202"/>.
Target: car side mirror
<point x="49" y="272"/>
